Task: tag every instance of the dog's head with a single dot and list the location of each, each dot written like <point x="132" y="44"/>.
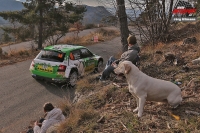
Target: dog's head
<point x="123" y="68"/>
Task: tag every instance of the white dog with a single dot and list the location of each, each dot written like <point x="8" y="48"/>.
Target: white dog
<point x="144" y="87"/>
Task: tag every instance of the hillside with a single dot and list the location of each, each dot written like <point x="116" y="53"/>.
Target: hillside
<point x="9" y="5"/>
<point x="105" y="107"/>
<point x="94" y="15"/>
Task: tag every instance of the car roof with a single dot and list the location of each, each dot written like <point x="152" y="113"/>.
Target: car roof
<point x="63" y="47"/>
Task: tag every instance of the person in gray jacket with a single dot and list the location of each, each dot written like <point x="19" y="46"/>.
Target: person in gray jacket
<point x="53" y="116"/>
<point x="131" y="55"/>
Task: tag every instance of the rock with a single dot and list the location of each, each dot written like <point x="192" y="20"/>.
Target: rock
<point x="179" y="60"/>
<point x="192" y="112"/>
<point x="185" y="68"/>
<point x="159" y="52"/>
<point x="169" y="57"/>
<point x="196" y="61"/>
<point x="191" y="40"/>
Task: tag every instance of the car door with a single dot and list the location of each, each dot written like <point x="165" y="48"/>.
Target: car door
<point x="89" y="60"/>
<point x="77" y="61"/>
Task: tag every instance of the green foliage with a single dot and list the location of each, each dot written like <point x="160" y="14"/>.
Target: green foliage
<point x="45" y="19"/>
<point x="198" y="7"/>
<point x="12" y="16"/>
<point x="20" y="32"/>
<point x="89" y="26"/>
<point x="5" y="37"/>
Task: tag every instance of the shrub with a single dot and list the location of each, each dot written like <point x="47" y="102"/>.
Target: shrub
<point x="89" y="26"/>
<point x="23" y="52"/>
<point x="1" y="52"/>
<point x="6" y="38"/>
<point x="78" y="121"/>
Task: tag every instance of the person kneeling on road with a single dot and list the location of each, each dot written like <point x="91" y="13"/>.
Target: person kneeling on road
<point x="132" y="54"/>
<point x="53" y="116"/>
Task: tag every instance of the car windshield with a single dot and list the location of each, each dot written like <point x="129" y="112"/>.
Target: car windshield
<point x="51" y="55"/>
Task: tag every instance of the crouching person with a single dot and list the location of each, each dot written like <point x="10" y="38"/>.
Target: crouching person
<point x="53" y="116"/>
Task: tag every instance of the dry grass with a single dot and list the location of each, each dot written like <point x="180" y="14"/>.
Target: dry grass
<point x="119" y="118"/>
<point x="80" y="121"/>
<point x="103" y="35"/>
<point x="17" y="56"/>
<point x="115" y="105"/>
<point x="179" y="31"/>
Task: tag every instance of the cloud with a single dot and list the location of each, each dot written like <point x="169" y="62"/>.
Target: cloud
<point x="21" y="0"/>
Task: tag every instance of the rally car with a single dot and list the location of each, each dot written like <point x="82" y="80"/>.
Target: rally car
<point x="64" y="63"/>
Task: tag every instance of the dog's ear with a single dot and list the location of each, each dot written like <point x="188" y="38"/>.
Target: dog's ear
<point x="127" y="68"/>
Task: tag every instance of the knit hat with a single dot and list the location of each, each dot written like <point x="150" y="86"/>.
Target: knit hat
<point x="131" y="39"/>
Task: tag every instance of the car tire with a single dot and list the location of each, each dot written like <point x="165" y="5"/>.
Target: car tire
<point x="36" y="78"/>
<point x="73" y="77"/>
<point x="99" y="66"/>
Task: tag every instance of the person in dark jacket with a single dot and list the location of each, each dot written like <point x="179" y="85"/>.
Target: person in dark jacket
<point x="131" y="55"/>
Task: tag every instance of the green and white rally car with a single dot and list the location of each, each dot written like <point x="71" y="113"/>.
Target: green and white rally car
<point x="64" y="63"/>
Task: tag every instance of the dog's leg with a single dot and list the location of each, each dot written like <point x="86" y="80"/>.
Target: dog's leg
<point x="142" y="101"/>
<point x="135" y="110"/>
<point x="137" y="101"/>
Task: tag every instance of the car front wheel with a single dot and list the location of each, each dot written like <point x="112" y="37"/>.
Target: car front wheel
<point x="73" y="78"/>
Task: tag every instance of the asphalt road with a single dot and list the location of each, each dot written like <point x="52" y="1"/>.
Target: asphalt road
<point x="22" y="97"/>
<point x="31" y="44"/>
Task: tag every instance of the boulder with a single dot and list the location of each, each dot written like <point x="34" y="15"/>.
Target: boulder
<point x="196" y="61"/>
<point x="188" y="40"/>
<point x="169" y="57"/>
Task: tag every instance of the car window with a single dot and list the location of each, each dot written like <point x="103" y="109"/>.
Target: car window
<point x="75" y="55"/>
<point x="51" y="56"/>
<point x="85" y="53"/>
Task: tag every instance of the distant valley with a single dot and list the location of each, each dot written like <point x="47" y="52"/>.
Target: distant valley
<point x="92" y="15"/>
<point x="9" y="5"/>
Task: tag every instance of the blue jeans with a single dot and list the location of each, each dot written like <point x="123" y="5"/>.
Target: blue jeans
<point x="108" y="69"/>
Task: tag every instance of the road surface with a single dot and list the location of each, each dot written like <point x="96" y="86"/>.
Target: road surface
<point x="30" y="44"/>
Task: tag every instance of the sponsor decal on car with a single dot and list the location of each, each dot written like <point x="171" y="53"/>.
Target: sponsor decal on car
<point x="45" y="68"/>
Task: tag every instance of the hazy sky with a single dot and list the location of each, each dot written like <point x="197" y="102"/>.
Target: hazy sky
<point x="85" y="2"/>
<point x="89" y="2"/>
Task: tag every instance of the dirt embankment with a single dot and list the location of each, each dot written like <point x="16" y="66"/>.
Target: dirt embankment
<point x="105" y="107"/>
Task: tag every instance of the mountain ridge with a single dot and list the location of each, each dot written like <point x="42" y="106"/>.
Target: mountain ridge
<point x="93" y="15"/>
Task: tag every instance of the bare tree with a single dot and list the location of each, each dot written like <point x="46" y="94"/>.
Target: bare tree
<point x="154" y="19"/>
<point x="120" y="13"/>
<point x="151" y="19"/>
